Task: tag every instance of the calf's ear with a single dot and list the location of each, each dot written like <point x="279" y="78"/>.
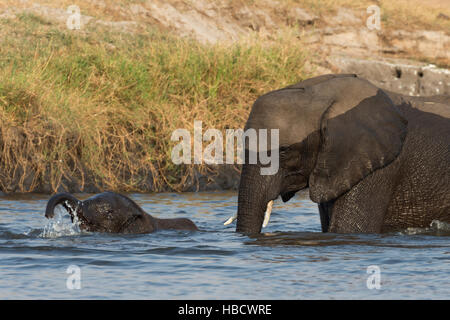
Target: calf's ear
<point x="354" y="143"/>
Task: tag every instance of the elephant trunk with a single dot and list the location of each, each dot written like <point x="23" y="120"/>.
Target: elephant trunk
<point x="255" y="193"/>
<point x="66" y="199"/>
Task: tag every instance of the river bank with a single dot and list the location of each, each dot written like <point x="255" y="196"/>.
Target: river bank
<point x="93" y="108"/>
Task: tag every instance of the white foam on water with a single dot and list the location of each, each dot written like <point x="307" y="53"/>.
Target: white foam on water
<point x="61" y="225"/>
<point x="436" y="227"/>
<point x="440" y="225"/>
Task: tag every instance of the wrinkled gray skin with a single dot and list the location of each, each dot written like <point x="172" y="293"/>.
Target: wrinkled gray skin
<point x="374" y="161"/>
<point x="114" y="213"/>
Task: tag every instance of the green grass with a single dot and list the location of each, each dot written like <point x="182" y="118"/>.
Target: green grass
<point x="97" y="108"/>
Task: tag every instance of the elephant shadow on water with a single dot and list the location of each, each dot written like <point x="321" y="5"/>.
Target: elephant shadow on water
<point x="113" y="213"/>
<point x="374" y="161"/>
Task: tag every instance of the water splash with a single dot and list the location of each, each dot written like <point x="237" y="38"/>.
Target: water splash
<point x="61" y="225"/>
<point x="440" y="225"/>
<point x="438" y="228"/>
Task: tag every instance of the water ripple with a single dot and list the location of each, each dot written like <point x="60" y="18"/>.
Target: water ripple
<point x="291" y="260"/>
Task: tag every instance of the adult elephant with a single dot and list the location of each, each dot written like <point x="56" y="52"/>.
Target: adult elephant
<point x="113" y="213"/>
<point x="373" y="161"/>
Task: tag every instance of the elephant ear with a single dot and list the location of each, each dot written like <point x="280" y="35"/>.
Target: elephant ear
<point x="354" y="143"/>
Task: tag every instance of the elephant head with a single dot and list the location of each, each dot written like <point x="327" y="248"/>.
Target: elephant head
<point x="113" y="213"/>
<point x="106" y="212"/>
<point x="334" y="130"/>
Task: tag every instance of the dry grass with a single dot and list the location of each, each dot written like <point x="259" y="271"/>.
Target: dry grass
<point x="398" y="14"/>
<point x="97" y="109"/>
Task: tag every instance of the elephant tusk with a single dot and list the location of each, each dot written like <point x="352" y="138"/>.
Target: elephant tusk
<point x="230" y="220"/>
<point x="267" y="213"/>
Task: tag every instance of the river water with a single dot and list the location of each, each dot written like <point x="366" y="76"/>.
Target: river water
<point x="292" y="259"/>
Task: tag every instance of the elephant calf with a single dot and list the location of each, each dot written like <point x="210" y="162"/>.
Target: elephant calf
<point x="373" y="161"/>
<point x="114" y="213"/>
